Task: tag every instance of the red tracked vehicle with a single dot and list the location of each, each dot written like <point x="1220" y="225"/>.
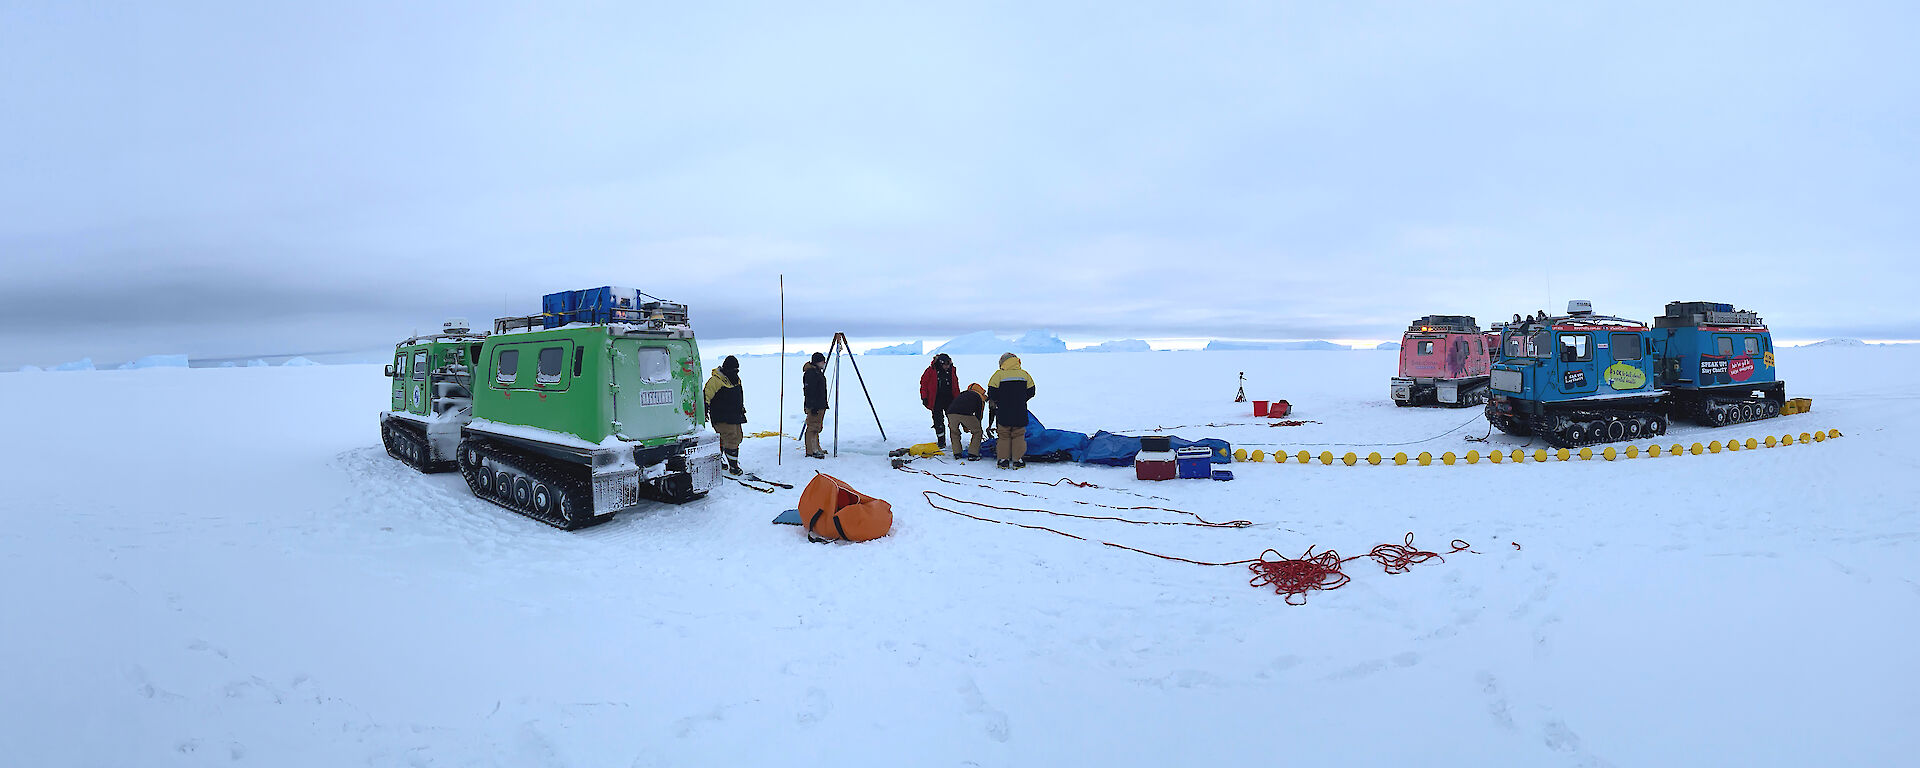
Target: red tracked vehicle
<point x="1444" y="360"/>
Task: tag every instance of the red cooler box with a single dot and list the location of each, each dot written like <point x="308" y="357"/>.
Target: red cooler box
<point x="1155" y="465"/>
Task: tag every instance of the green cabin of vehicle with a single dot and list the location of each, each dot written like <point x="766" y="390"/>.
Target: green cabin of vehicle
<point x="592" y="382"/>
<point x="413" y="364"/>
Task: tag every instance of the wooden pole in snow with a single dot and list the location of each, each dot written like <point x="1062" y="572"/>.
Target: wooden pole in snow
<point x="780" y="441"/>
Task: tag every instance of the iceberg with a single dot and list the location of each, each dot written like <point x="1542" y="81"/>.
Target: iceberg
<point x="1837" y="343"/>
<point x="156" y="361"/>
<point x="32" y="369"/>
<point x="257" y="363"/>
<point x="82" y="364"/>
<point x="1034" y="342"/>
<point x="1217" y="345"/>
<point x="1390" y="346"/>
<point x="299" y="361"/>
<point x="1124" y="345"/>
<point x="908" y="348"/>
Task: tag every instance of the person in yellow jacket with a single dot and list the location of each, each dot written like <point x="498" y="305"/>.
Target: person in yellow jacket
<point x="1008" y="392"/>
<point x="727" y="410"/>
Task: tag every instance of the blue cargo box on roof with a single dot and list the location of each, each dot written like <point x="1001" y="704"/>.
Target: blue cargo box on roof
<point x="606" y="304"/>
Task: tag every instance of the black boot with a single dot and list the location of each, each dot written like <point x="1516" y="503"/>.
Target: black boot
<point x="940" y="438"/>
<point x="1018" y="464"/>
<point x="1004" y="464"/>
<point x="733" y="462"/>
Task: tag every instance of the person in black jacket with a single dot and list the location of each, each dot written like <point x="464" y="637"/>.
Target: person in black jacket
<point x="1009" y="390"/>
<point x="727" y="409"/>
<point x="963" y="415"/>
<point x="813" y="382"/>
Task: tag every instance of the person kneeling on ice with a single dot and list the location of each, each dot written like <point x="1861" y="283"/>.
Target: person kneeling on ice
<point x="813" y="384"/>
<point x="939" y="384"/>
<point x="963" y="415"/>
<point x="1008" y="391"/>
<point x="727" y="409"/>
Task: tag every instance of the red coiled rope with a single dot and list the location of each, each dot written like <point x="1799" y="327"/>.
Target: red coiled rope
<point x="1294" y="578"/>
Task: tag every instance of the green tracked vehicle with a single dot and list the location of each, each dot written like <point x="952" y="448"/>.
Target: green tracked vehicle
<point x="567" y="416"/>
<point x="432" y="396"/>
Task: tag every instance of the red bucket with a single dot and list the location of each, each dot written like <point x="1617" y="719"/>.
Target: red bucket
<point x="1259" y="408"/>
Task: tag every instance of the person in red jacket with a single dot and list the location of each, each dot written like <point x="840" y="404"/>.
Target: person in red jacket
<point x="938" y="386"/>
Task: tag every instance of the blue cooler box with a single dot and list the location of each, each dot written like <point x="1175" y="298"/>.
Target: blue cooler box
<point x="1196" y="462"/>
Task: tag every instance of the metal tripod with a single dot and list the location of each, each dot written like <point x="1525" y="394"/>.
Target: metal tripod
<point x="833" y="356"/>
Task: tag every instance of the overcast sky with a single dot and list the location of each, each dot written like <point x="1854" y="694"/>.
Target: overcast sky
<point x="238" y="178"/>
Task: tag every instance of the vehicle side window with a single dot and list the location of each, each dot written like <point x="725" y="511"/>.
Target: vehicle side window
<point x="1769" y="343"/>
<point x="507" y="367"/>
<point x="1723" y="345"/>
<point x="579" y="357"/>
<point x="420" y="366"/>
<point x="1752" y="344"/>
<point x="1574" y="348"/>
<point x="399" y="365"/>
<point x="551" y="359"/>
<point x="1625" y="346"/>
<point x="1426" y="348"/>
<point x="654" y="365"/>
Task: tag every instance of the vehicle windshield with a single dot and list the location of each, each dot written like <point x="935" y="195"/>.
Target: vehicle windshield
<point x="1532" y="343"/>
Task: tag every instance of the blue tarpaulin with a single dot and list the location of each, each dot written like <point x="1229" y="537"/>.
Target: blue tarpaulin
<point x="1118" y="450"/>
<point x="607" y="304"/>
<point x="1046" y="444"/>
<point x="1104" y="447"/>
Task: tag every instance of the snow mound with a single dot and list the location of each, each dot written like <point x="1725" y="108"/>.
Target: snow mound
<point x="156" y="361"/>
<point x="1217" y="345"/>
<point x="82" y="364"/>
<point x="1034" y="342"/>
<point x="299" y="361"/>
<point x="228" y="364"/>
<point x="32" y="369"/>
<point x="908" y="348"/>
<point x="257" y="363"/>
<point x="1837" y="343"/>
<point x="1390" y="346"/>
<point x="1124" y="345"/>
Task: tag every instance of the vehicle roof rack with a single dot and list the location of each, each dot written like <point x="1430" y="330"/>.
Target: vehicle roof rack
<point x="1444" y="324"/>
<point x="1692" y="314"/>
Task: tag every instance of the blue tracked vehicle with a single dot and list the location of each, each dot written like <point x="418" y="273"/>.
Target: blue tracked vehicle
<point x="1583" y="379"/>
<point x="1717" y="363"/>
<point x="1578" y="379"/>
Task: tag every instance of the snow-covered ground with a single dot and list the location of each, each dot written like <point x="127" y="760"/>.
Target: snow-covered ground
<point x="220" y="565"/>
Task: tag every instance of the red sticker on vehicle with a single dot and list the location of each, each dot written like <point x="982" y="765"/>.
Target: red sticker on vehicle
<point x="1740" y="368"/>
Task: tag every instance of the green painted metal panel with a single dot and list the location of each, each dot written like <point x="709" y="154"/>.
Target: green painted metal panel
<point x="600" y="390"/>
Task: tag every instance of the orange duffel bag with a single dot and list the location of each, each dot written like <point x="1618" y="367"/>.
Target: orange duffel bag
<point x="830" y="509"/>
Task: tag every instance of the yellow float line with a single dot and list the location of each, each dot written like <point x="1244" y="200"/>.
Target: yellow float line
<point x="1519" y="456"/>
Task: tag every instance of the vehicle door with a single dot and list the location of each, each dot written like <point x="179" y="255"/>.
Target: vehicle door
<point x="1575" y="354"/>
<point x="398" y="379"/>
<point x="652" y="402"/>
<point x="1628" y="359"/>
<point x="417" y="381"/>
